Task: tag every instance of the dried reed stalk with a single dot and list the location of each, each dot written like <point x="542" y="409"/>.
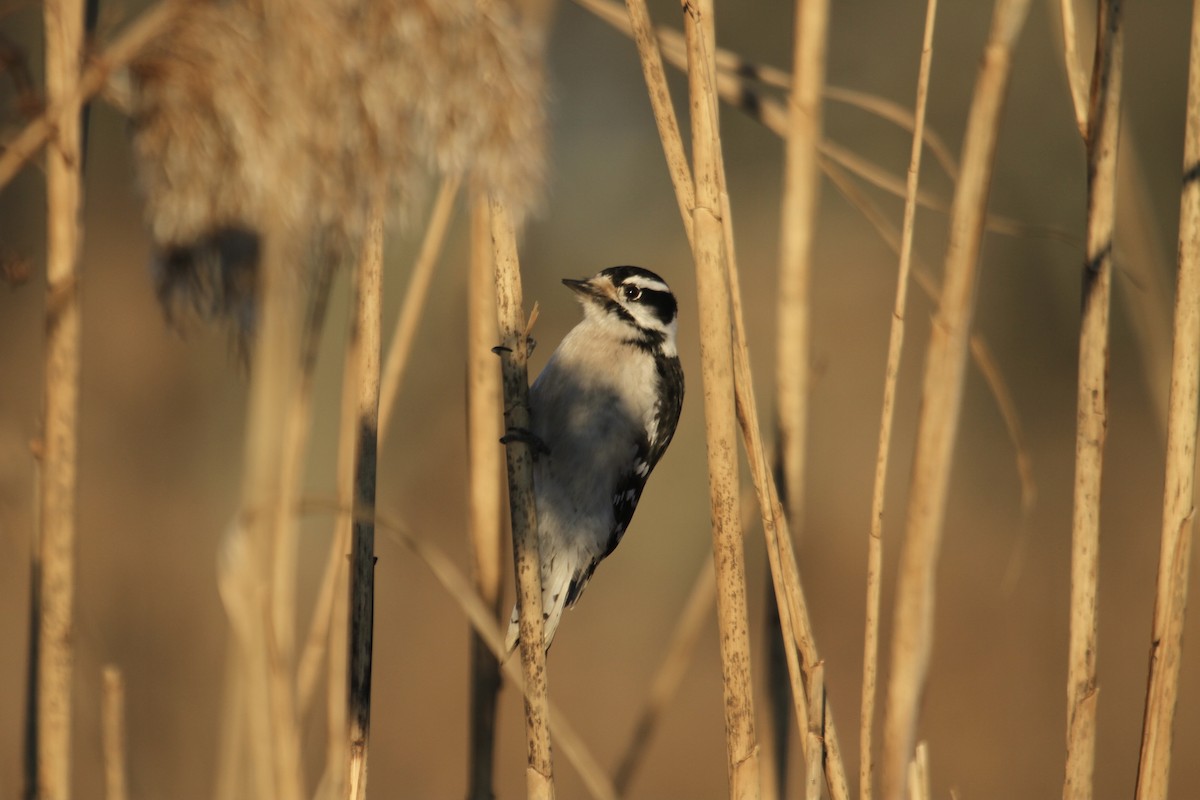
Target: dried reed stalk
<point x="814" y="746"/>
<point x="26" y="144"/>
<point x="1154" y="765"/>
<point x="945" y="369"/>
<point x="801" y="185"/>
<point x="112" y="734"/>
<point x="485" y="501"/>
<point x="887" y="415"/>
<point x="798" y="217"/>
<point x="1077" y="79"/>
<point x="981" y="353"/>
<point x="1103" y="130"/>
<point x="365" y="326"/>
<point x="795" y="624"/>
<point x="514" y="357"/>
<point x="670" y="673"/>
<point x="720" y="434"/>
<point x="642" y="30"/>
<point x="918" y="774"/>
<point x="415" y="297"/>
<point x="55" y="542"/>
<point x="265" y="518"/>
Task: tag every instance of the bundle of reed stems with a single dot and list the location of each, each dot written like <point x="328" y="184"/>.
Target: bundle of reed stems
<point x="275" y="672"/>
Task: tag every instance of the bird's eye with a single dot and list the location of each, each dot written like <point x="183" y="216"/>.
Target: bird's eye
<point x="632" y="293"/>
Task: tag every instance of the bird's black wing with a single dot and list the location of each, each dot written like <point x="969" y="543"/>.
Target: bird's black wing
<point x="629" y="485"/>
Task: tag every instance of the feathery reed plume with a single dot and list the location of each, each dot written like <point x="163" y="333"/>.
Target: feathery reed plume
<point x="941" y="399"/>
<point x="54" y="546"/>
<point x="1174" y="560"/>
<point x="887" y="415"/>
<point x="363" y="89"/>
<point x="485" y="504"/>
<point x="1101" y="138"/>
<point x="514" y="358"/>
<point x="716" y="353"/>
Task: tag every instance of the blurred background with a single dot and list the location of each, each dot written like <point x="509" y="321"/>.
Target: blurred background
<point x="163" y="411"/>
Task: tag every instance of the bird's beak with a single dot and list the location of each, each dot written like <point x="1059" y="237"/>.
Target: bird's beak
<point x="585" y="289"/>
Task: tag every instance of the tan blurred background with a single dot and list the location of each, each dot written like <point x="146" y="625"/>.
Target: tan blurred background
<point x="162" y="420"/>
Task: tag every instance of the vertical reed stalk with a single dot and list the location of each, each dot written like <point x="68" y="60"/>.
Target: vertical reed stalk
<point x="801" y="185"/>
<point x="485" y="502"/>
<point x="801" y="192"/>
<point x="670" y="673"/>
<point x="1154" y="766"/>
<point x="514" y="358"/>
<point x="1103" y="129"/>
<point x="719" y="410"/>
<point x="365" y="327"/>
<point x="55" y="545"/>
<point x="112" y="734"/>
<point x="941" y="394"/>
<point x="650" y="56"/>
<point x="415" y="300"/>
<point x="887" y="415"/>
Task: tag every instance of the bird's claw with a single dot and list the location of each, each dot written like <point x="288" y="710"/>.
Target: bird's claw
<point x="536" y="445"/>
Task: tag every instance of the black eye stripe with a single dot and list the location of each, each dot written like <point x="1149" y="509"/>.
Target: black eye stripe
<point x="662" y="303"/>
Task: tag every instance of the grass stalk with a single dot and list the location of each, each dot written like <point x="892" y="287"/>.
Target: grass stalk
<point x="670" y="673"/>
<point x="365" y="327"/>
<point x="1103" y="130"/>
<point x="801" y="185"/>
<point x="798" y="217"/>
<point x="719" y="406"/>
<point x="64" y="104"/>
<point x="942" y="388"/>
<point x="642" y="30"/>
<point x="112" y="735"/>
<point x="887" y="416"/>
<point x="918" y="774"/>
<point x="485" y="501"/>
<point x="415" y="300"/>
<point x="514" y="357"/>
<point x="55" y="543"/>
<point x="1162" y="693"/>
<point x="1077" y="79"/>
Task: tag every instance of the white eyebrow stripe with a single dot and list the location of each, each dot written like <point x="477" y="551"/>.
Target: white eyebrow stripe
<point x="646" y="283"/>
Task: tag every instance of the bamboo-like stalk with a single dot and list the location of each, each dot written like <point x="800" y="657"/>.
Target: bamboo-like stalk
<point x="642" y="30"/>
<point x="415" y="297"/>
<point x="887" y="415"/>
<point x="485" y="501"/>
<point x="981" y="353"/>
<point x="65" y="104"/>
<point x="798" y="217"/>
<point x="368" y="294"/>
<point x="1076" y="77"/>
<point x="720" y="434"/>
<point x="795" y="624"/>
<point x="1103" y="130"/>
<point x="265" y="514"/>
<point x="1174" y="561"/>
<point x="514" y="356"/>
<point x="55" y="543"/>
<point x="112" y="734"/>
<point x="814" y="748"/>
<point x="670" y="673"/>
<point x="801" y="184"/>
<point x="918" y="774"/>
<point x="941" y="400"/>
